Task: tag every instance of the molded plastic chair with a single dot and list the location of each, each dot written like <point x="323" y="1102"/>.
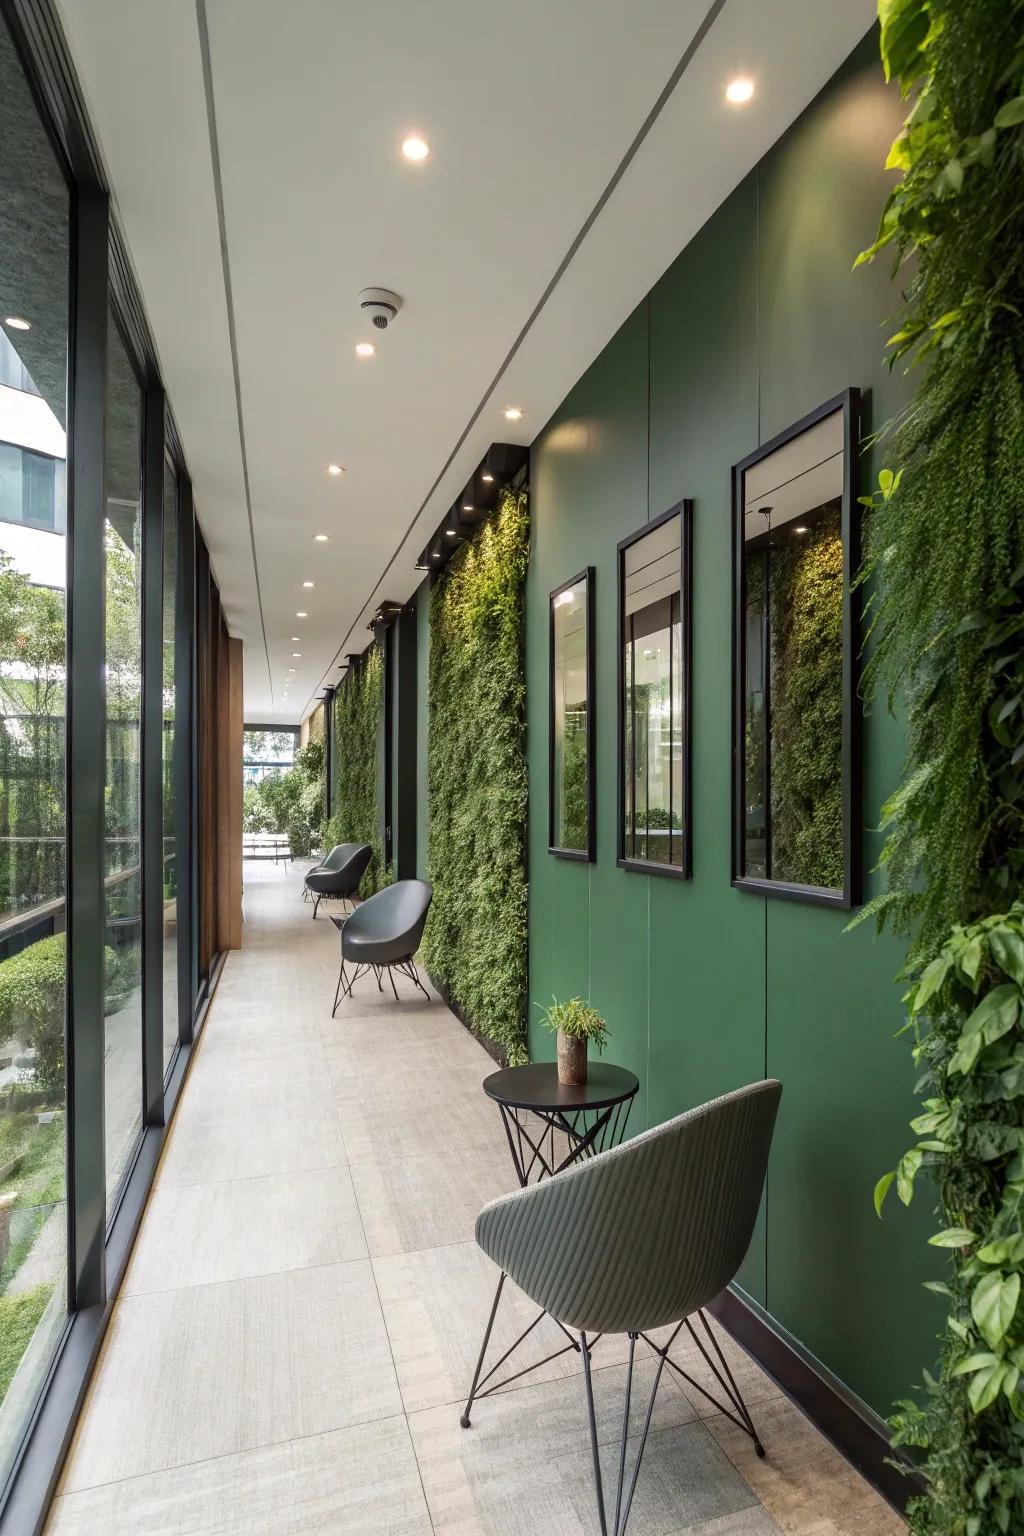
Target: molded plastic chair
<point x="333" y="859"/>
<point x="384" y="933"/>
<point x="342" y="879"/>
<point x="635" y="1239"/>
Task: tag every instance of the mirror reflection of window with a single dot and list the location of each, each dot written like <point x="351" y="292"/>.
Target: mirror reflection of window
<point x="792" y="630"/>
<point x="654" y="808"/>
<point x="570" y="737"/>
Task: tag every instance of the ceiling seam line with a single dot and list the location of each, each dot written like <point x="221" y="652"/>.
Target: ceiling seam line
<point x="218" y="189"/>
<point x="710" y="16"/>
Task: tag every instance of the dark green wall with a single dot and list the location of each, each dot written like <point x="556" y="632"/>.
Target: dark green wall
<point x="705" y="987"/>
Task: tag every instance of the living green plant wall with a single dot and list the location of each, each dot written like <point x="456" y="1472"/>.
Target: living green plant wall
<point x="358" y="718"/>
<point x="705" y="987"/>
<point x="475" y="940"/>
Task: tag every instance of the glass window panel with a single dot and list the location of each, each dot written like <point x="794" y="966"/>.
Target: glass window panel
<point x="34" y="256"/>
<point x="570" y="812"/>
<point x="123" y="563"/>
<point x="170" y="859"/>
<point x="654" y="766"/>
<point x="792" y="746"/>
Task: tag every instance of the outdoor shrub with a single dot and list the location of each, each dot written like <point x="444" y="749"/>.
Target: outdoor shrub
<point x="475" y="939"/>
<point x="32" y="1005"/>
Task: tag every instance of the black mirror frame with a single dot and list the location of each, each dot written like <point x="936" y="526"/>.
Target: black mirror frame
<point x="586" y="855"/>
<point x="684" y="511"/>
<point x="849" y="402"/>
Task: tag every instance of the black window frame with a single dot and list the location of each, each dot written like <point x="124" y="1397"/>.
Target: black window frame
<point x="587" y="855"/>
<point x="684" y="511"/>
<point x="849" y="402"/>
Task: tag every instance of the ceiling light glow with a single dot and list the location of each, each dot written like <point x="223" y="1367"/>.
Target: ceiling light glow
<point x="414" y="148"/>
<point x="16" y="323"/>
<point x="739" y="90"/>
<point x="321" y="538"/>
<point x="297" y="654"/>
<point x="365" y="349"/>
<point x="334" y="469"/>
<point x="513" y="413"/>
<point x="800" y="529"/>
<point x="449" y="533"/>
<point x="486" y="478"/>
<point x="307" y="583"/>
<point x="302" y="615"/>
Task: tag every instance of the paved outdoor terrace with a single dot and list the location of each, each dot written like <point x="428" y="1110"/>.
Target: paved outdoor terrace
<point x="298" y="1328"/>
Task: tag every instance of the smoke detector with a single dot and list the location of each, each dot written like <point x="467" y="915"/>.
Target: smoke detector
<point x="380" y="306"/>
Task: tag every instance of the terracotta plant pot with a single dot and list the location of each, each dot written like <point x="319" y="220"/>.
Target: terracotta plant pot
<point x="572" y="1060"/>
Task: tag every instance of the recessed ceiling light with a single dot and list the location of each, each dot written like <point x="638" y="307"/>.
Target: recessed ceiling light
<point x="321" y="538"/>
<point x="307" y="583"/>
<point x="449" y="533"/>
<point x="302" y="615"/>
<point x="414" y="148"/>
<point x="800" y="529"/>
<point x="365" y="349"/>
<point x="486" y="477"/>
<point x="291" y="669"/>
<point x="435" y="556"/>
<point x="297" y="654"/>
<point x="334" y="469"/>
<point x="740" y="90"/>
<point x="16" y="323"/>
<point x="295" y="637"/>
<point x="467" y="506"/>
<point x="513" y="413"/>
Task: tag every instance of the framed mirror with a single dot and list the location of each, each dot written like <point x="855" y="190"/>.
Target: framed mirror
<point x="796" y="830"/>
<point x="655" y="661"/>
<point x="571" y="803"/>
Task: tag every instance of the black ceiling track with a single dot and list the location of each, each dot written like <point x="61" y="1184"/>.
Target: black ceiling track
<point x="474" y="504"/>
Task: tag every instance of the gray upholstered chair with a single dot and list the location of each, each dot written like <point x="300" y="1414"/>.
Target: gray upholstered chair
<point x="334" y="858"/>
<point x="341" y="881"/>
<point x="635" y="1239"/>
<point x="383" y="934"/>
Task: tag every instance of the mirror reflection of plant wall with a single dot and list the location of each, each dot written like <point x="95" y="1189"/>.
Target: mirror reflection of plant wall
<point x="654" y="695"/>
<point x="475" y="941"/>
<point x="794" y="720"/>
<point x="358" y="715"/>
<point x="571" y="724"/>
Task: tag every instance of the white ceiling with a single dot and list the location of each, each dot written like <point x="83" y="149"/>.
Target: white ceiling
<point x="281" y="126"/>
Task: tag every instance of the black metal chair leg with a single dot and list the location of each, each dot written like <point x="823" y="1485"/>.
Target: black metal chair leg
<point x="316" y="904"/>
<point x="595" y="1452"/>
<point x="391" y="978"/>
<point x="337" y="990"/>
<point x="465" y="1420"/>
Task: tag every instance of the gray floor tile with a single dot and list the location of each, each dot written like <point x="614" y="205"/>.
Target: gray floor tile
<point x="804" y="1483"/>
<point x="361" y="1481"/>
<point x="430" y="1201"/>
<point x="525" y="1466"/>
<point x="215" y="1369"/>
<point x="402" y="1121"/>
<point x="201" y="1233"/>
<point x="210" y="1141"/>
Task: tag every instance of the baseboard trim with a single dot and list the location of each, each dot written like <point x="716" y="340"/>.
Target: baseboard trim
<point x="851" y="1427"/>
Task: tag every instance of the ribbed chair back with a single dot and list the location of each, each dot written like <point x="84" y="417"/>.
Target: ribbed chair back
<point x="646" y="1233"/>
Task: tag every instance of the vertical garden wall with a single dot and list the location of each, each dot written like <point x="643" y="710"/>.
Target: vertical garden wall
<point x="358" y="722"/>
<point x="475" y="942"/>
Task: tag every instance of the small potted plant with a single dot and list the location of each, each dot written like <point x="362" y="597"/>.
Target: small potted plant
<point x="575" y="1022"/>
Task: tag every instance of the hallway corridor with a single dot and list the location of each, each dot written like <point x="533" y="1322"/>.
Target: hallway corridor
<point x="299" y="1323"/>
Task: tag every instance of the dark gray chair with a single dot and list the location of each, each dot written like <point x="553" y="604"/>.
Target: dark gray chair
<point x="341" y="881"/>
<point x="636" y="1239"/>
<point x="333" y="859"/>
<point x="383" y="934"/>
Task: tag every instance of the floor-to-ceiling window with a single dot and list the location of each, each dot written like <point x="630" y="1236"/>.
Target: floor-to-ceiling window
<point x="34" y="287"/>
<point x="122" y="539"/>
<point x="169" y="859"/>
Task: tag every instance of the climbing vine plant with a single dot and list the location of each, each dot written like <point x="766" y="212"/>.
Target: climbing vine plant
<point x="358" y="706"/>
<point x="945" y="540"/>
<point x="475" y="941"/>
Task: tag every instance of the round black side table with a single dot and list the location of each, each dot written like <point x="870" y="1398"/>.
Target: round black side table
<point x="591" y="1116"/>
